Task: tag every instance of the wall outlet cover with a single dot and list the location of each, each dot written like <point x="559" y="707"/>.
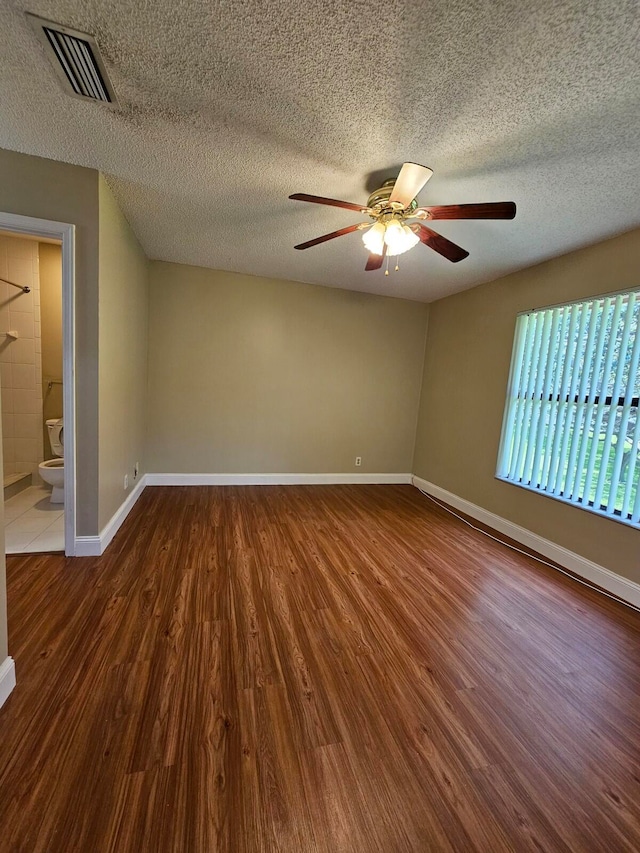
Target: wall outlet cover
<point x="126" y="481"/>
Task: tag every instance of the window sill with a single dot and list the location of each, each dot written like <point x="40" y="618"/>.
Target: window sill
<point x="591" y="510"/>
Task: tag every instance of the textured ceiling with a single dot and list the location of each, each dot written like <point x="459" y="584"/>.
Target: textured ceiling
<point x="227" y="108"/>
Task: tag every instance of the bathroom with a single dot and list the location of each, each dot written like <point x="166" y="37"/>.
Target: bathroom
<point x="31" y="367"/>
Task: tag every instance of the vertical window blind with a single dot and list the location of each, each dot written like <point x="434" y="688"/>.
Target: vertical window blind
<point x="571" y="428"/>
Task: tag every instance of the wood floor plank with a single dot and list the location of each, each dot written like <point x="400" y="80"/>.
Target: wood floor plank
<point x="317" y="669"/>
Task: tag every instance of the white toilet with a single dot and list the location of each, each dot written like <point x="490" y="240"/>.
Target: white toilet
<point x="52" y="470"/>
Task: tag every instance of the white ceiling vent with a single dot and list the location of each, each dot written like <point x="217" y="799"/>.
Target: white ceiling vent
<point x="76" y="59"/>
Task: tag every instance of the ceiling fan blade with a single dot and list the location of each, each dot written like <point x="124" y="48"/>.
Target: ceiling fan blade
<point x="490" y="210"/>
<point x="332" y="202"/>
<point x="348" y="230"/>
<point x="374" y="262"/>
<point x="409" y="182"/>
<point x="440" y="244"/>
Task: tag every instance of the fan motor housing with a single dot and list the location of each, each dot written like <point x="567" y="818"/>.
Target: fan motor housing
<point x="379" y="199"/>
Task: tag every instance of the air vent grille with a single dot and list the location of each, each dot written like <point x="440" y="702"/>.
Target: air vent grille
<point x="76" y="59"/>
<point x="79" y="65"/>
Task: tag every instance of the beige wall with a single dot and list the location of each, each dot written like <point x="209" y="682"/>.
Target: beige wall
<point x="33" y="186"/>
<point x="51" y="329"/>
<point x="465" y="377"/>
<point x="124" y="306"/>
<point x="255" y="375"/>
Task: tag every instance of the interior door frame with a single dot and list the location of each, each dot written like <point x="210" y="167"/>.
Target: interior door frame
<point x="64" y="232"/>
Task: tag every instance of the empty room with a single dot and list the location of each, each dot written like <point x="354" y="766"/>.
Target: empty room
<point x="319" y="394"/>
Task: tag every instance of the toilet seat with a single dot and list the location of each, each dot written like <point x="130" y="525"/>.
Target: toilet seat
<point x="53" y="463"/>
<point x="52" y="472"/>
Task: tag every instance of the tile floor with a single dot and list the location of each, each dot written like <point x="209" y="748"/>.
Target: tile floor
<point x="33" y="523"/>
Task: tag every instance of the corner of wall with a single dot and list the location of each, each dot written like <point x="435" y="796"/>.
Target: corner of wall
<point x="420" y="414"/>
<point x="123" y="356"/>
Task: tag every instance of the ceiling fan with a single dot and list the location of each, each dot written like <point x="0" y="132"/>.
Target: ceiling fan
<point x="392" y="206"/>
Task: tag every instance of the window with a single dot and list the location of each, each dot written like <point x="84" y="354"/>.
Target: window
<point x="571" y="428"/>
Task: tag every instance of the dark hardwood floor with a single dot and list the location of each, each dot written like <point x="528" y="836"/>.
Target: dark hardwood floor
<point x="345" y="669"/>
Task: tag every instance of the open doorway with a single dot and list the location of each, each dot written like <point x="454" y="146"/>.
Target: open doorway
<point x="36" y="366"/>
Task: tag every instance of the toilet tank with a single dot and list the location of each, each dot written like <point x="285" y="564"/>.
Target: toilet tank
<point x="55" y="429"/>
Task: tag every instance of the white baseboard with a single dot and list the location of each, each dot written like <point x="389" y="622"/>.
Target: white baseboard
<point x="274" y="479"/>
<point x="88" y="546"/>
<point x="7" y="679"/>
<point x="582" y="567"/>
<point x="94" y="546"/>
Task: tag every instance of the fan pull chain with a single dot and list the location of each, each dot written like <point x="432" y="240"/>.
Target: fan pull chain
<point x="386" y="272"/>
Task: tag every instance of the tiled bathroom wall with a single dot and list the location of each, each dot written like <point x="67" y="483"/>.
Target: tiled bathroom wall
<point x="20" y="359"/>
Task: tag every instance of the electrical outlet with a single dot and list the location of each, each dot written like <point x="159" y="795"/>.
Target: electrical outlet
<point x="358" y="461"/>
<point x="135" y="470"/>
<point x="126" y="481"/>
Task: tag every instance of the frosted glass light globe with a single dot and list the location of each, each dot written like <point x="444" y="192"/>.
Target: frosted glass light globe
<point x="373" y="239"/>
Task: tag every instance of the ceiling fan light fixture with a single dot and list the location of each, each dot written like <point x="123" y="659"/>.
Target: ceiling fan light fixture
<point x="374" y="238"/>
<point x="399" y="238"/>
